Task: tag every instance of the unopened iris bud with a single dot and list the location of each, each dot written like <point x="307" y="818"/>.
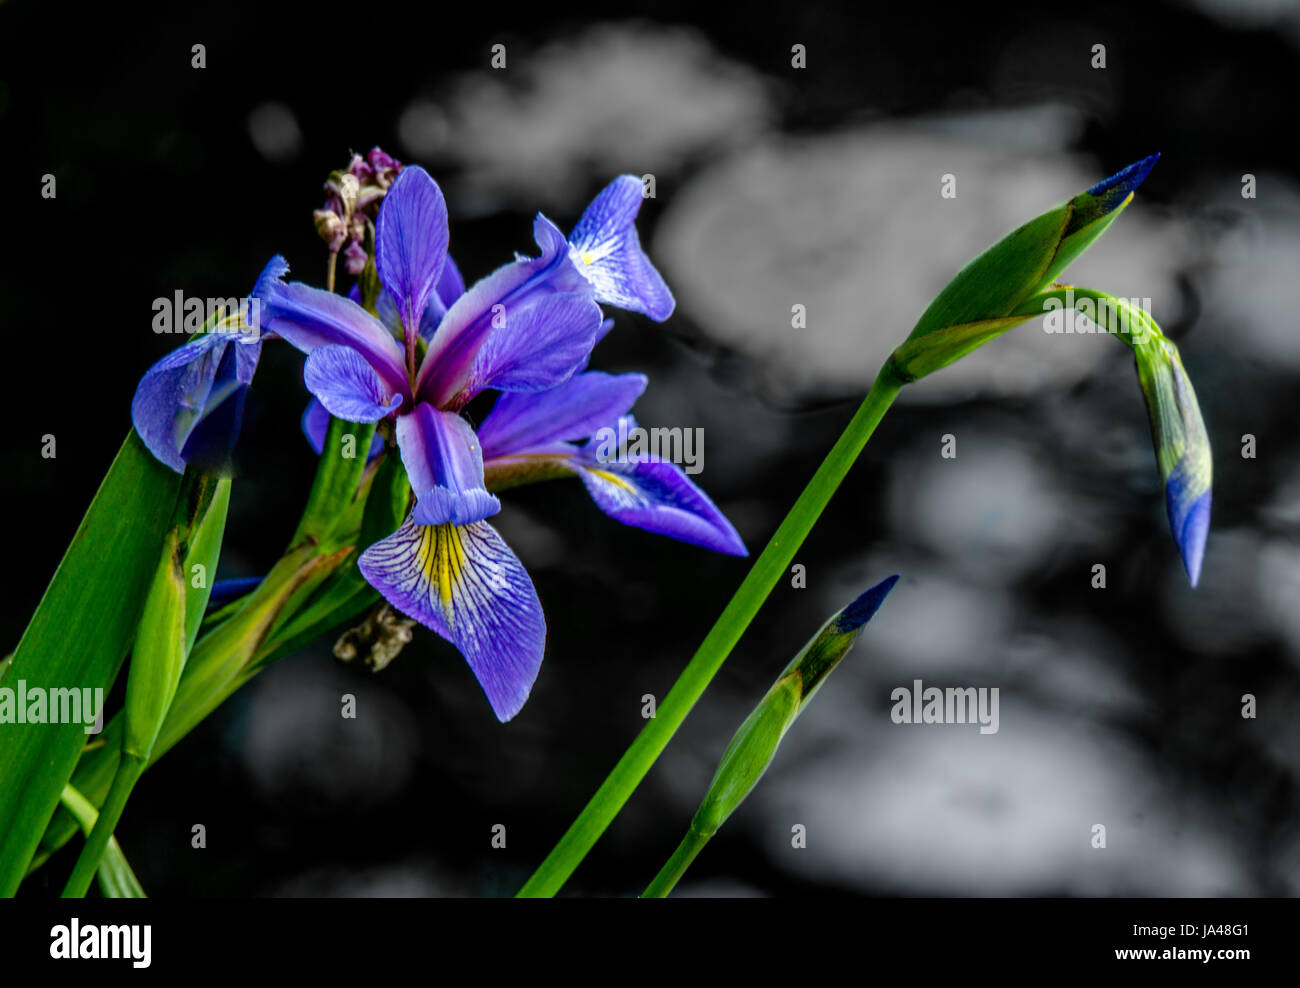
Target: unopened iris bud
<point x="1182" y="448"/>
<point x="981" y="302"/>
<point x="1177" y="429"/>
<point x="1015" y="280"/>
<point x="755" y="743"/>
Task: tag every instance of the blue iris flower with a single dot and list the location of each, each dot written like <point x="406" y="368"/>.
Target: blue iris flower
<point x="527" y="331"/>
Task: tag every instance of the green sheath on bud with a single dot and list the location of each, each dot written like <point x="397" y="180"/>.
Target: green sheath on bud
<point x="754" y="745"/>
<point x="168" y="624"/>
<point x="982" y="300"/>
<point x="159" y="654"/>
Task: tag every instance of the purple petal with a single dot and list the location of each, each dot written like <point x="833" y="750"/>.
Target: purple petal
<point x="172" y="395"/>
<point x="573" y="410"/>
<point x="607" y="252"/>
<point x="386" y="310"/>
<point x="536" y="346"/>
<point x="179" y="391"/>
<point x="601" y="333"/>
<point x="309" y="318"/>
<point x="276" y="268"/>
<point x="224" y="591"/>
<point x="347" y="386"/>
<point x="655" y="495"/>
<point x="315" y="426"/>
<point x="411" y="242"/>
<point x="210" y="443"/>
<point x="469" y="320"/>
<point x="463" y="582"/>
<point x="247" y="355"/>
<point x="451" y="286"/>
<point x="445" y="466"/>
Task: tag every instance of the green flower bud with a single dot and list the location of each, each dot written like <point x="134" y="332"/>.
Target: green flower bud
<point x="981" y="302"/>
<point x="1182" y="444"/>
<point x="755" y="743"/>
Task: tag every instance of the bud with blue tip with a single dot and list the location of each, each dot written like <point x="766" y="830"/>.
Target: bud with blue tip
<point x="754" y="745"/>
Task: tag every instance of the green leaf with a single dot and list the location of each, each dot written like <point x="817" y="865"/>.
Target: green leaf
<point x="316" y="591"/>
<point x="116" y="879"/>
<point x="77" y="638"/>
<point x="220" y="662"/>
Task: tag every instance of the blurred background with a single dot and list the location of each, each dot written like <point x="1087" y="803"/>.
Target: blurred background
<point x="775" y="186"/>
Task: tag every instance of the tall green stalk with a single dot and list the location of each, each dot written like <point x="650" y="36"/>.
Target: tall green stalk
<point x="771" y="564"/>
<point x="675" y="867"/>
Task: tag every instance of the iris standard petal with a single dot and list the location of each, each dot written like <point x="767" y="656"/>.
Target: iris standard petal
<point x="463" y="582"/>
<point x="657" y="496"/>
<point x="451" y="286"/>
<point x="574" y="410"/>
<point x="607" y="252"/>
<point x="470" y="318"/>
<point x="315" y="426"/>
<point x="444" y="463"/>
<point x="347" y="385"/>
<point x="172" y="395"/>
<point x="310" y="317"/>
<point x="534" y="346"/>
<point x="385" y="309"/>
<point x="411" y="239"/>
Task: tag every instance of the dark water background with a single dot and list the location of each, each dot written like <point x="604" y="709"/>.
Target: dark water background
<point x="775" y="186"/>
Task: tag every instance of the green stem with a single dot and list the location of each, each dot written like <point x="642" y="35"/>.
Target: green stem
<point x="128" y="773"/>
<point x="675" y="867"/>
<point x="726" y="632"/>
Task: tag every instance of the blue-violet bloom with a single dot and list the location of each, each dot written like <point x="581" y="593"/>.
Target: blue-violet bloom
<point x="528" y="327"/>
